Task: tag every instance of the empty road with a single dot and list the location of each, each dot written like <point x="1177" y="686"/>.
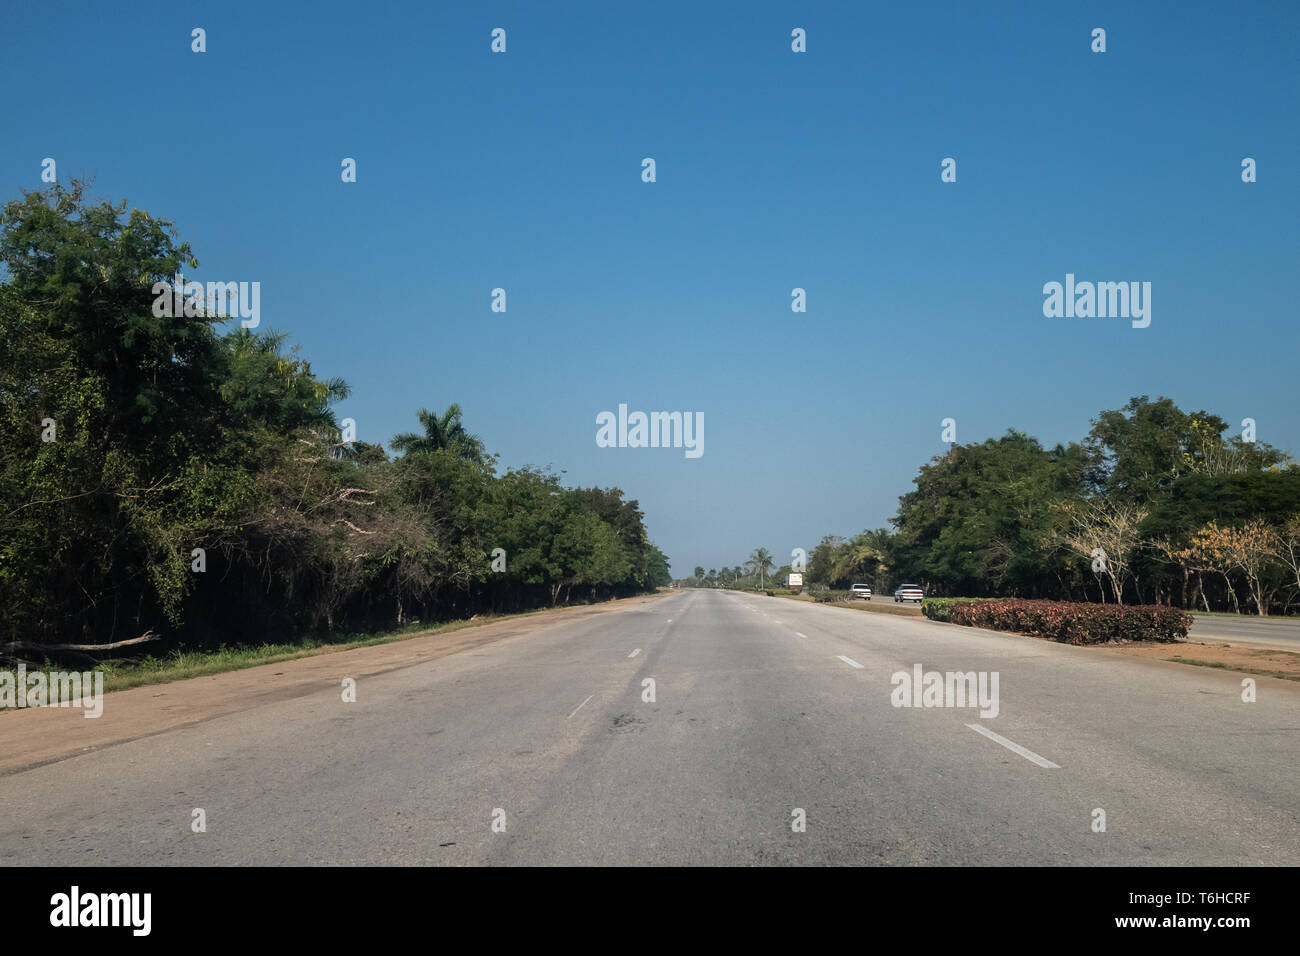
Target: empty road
<point x="1271" y="631"/>
<point x="542" y="748"/>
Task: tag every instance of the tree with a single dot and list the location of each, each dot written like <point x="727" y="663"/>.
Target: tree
<point x="981" y="518"/>
<point x="1208" y="551"/>
<point x="823" y="559"/>
<point x="1209" y="453"/>
<point x="1249" y="549"/>
<point x="440" y="432"/>
<point x="1286" y="545"/>
<point x="861" y="558"/>
<point x="1139" y="451"/>
<point x="139" y="448"/>
<point x="1231" y="498"/>
<point x="761" y="559"/>
<point x="1106" y="533"/>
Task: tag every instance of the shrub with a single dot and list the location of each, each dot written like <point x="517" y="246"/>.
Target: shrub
<point x="827" y="595"/>
<point x="1064" y="621"/>
<point x="937" y="608"/>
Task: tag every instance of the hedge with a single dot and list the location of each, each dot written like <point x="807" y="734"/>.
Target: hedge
<point x="937" y="608"/>
<point x="1065" y="621"/>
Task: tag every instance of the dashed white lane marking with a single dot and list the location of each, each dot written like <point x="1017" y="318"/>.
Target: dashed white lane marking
<point x="670" y="620"/>
<point x="635" y="652"/>
<point x="1015" y="747"/>
<point x="580" y="706"/>
<point x="850" y="661"/>
<point x="778" y="622"/>
<point x="802" y="634"/>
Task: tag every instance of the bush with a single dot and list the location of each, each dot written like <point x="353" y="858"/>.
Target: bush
<point x="827" y="595"/>
<point x="937" y="608"/>
<point x="1064" y="621"/>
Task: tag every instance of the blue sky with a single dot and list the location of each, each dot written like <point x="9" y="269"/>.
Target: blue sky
<point x="775" y="170"/>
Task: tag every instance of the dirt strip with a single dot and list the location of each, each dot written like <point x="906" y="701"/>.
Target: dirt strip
<point x="31" y="737"/>
<point x="1243" y="658"/>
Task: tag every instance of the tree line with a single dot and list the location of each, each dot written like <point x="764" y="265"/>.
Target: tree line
<point x="159" y="474"/>
<point x="1154" y="505"/>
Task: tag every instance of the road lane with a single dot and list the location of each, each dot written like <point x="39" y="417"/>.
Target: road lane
<point x="752" y="720"/>
<point x="1272" y="631"/>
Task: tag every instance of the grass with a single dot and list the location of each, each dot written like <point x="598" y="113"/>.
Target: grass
<point x="182" y="664"/>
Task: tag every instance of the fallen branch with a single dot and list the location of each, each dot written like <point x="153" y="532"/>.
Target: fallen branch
<point x="29" y="646"/>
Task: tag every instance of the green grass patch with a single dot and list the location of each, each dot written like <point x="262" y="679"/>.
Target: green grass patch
<point x="182" y="664"/>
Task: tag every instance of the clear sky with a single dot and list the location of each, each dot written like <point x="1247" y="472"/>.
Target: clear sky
<point x="775" y="170"/>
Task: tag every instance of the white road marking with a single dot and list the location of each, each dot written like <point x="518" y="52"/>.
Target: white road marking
<point x="850" y="661"/>
<point x="802" y="634"/>
<point x="779" y="622"/>
<point x="1015" y="747"/>
<point x="580" y="706"/>
<point x="634" y="654"/>
<point x="670" y="620"/>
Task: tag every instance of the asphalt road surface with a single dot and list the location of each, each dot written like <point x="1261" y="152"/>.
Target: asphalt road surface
<point x="1279" y="632"/>
<point x="762" y="707"/>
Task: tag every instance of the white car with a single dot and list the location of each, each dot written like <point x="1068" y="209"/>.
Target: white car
<point x="908" y="592"/>
<point x="860" y="591"/>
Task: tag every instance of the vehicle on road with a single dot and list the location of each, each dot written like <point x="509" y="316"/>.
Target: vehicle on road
<point x="908" y="592"/>
<point x="861" y="591"/>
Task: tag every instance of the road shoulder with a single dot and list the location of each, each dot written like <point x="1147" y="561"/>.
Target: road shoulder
<point x="32" y="737"/>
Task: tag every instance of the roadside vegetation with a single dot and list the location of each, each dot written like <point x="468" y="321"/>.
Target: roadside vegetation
<point x="1068" y="622"/>
<point x="169" y="484"/>
<point x="1154" y="506"/>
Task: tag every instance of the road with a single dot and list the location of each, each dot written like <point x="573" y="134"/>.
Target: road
<point x="762" y="706"/>
<point x="1273" y="631"/>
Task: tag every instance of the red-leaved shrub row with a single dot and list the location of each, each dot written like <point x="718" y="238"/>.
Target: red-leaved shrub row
<point x="1067" y="621"/>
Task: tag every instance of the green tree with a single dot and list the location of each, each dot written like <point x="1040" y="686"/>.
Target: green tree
<point x="1139" y="451"/>
<point x="133" y="443"/>
<point x="980" y="519"/>
<point x="444" y="431"/>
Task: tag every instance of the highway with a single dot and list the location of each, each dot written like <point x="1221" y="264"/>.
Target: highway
<point x="1243" y="629"/>
<point x="762" y="708"/>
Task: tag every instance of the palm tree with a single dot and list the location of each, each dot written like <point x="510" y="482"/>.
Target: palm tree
<point x="860" y="558"/>
<point x="761" y="558"/>
<point x="445" y="432"/>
